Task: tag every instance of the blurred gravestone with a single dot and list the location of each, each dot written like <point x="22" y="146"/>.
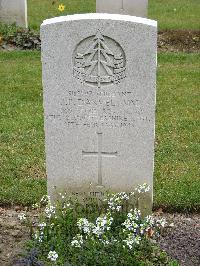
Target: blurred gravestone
<point x="14" y="11"/>
<point x="126" y="7"/>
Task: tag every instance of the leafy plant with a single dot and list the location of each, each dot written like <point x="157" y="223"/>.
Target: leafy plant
<point x="16" y="36"/>
<point x="109" y="233"/>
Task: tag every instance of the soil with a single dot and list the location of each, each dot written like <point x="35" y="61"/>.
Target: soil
<point x="179" y="41"/>
<point x="13" y="234"/>
<point x="181" y="240"/>
<point x="168" y="41"/>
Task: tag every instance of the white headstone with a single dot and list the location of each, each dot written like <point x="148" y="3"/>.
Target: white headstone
<point x="14" y="11"/>
<point x="99" y="79"/>
<point x="137" y="8"/>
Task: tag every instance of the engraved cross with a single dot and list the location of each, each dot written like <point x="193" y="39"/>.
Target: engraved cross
<point x="99" y="155"/>
<point x="122" y="6"/>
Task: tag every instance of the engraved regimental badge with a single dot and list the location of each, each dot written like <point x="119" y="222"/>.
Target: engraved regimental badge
<point x="99" y="61"/>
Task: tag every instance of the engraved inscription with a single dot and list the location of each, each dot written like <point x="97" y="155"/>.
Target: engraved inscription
<point x="99" y="61"/>
<point x="99" y="155"/>
<point x="93" y="108"/>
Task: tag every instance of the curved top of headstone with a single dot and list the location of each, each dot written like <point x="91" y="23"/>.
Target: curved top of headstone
<point x="93" y="16"/>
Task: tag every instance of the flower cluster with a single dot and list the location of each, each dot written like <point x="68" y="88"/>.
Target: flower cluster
<point x="143" y="188"/>
<point x="77" y="241"/>
<point x="49" y="211"/>
<point x="102" y="224"/>
<point x="22" y="217"/>
<point x="133" y="229"/>
<point x="132" y="240"/>
<point x="42" y="225"/>
<point x="132" y="221"/>
<point x="161" y="222"/>
<point x="52" y="255"/>
<point x="136" y="227"/>
<point x="107" y="241"/>
<point x="139" y="228"/>
<point x="85" y="226"/>
<point x="116" y="200"/>
<point x="116" y="229"/>
<point x="39" y="234"/>
<point x="45" y="200"/>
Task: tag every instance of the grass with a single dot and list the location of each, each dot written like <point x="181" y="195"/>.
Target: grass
<point x="22" y="142"/>
<point x="22" y="172"/>
<point x="39" y="10"/>
<point x="173" y="14"/>
<point x="177" y="175"/>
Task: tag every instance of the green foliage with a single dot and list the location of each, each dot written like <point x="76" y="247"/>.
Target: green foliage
<point x="7" y="30"/>
<point x="22" y="38"/>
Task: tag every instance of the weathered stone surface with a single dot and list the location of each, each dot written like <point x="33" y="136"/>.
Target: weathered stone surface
<point x="14" y="11"/>
<point x="99" y="79"/>
<point x="137" y="8"/>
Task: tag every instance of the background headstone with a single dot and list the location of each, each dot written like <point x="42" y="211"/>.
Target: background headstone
<point x="14" y="11"/>
<point x="137" y="8"/>
<point x="99" y="79"/>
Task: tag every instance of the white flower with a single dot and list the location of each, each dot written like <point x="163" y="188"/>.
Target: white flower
<point x="65" y="206"/>
<point x="123" y="196"/>
<point x="22" y="216"/>
<point x="52" y="255"/>
<point x="118" y="208"/>
<point x="171" y="225"/>
<point x="105" y="242"/>
<point x="131" y="223"/>
<point x="143" y="188"/>
<point x="36" y="235"/>
<point x="102" y="224"/>
<point x="85" y="225"/>
<point x="150" y="220"/>
<point x="62" y="196"/>
<point x="42" y="225"/>
<point x="50" y="211"/>
<point x="137" y="240"/>
<point x="45" y="199"/>
<point x="39" y="236"/>
<point x="35" y="206"/>
<point x="162" y="222"/>
<point x="137" y="214"/>
<point x="132" y="240"/>
<point x="115" y="202"/>
<point x="77" y="241"/>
